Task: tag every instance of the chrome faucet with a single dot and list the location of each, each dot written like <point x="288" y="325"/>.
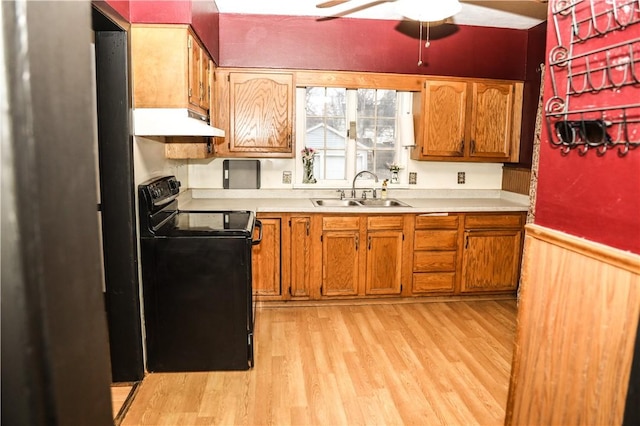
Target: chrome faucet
<point x="353" y="184"/>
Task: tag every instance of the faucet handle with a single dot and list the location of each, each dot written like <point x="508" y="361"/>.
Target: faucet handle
<point x="341" y="191"/>
<point x="364" y="193"/>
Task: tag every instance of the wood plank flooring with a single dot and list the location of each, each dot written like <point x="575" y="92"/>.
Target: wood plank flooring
<point x="412" y="363"/>
<point x="119" y="395"/>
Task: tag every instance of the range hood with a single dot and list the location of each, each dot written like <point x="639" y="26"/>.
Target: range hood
<point x="171" y="122"/>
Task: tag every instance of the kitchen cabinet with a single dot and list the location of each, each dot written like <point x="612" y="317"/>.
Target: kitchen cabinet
<point x="199" y="65"/>
<point x="184" y="148"/>
<point x="341" y="256"/>
<point x="266" y="261"/>
<point x="384" y="255"/>
<point x="435" y="253"/>
<point x="172" y="69"/>
<point x="492" y="249"/>
<point x="260" y="118"/>
<point x="169" y="68"/>
<point x="468" y="120"/>
<point x="300" y="266"/>
<point x="351" y="243"/>
<point x="328" y="256"/>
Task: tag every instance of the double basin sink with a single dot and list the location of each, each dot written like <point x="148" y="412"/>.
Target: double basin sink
<point x="368" y="202"/>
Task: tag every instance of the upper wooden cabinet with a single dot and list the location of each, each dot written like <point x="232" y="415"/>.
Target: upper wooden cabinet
<point x="170" y="68"/>
<point x="459" y="120"/>
<point x="260" y="114"/>
<point x="199" y="93"/>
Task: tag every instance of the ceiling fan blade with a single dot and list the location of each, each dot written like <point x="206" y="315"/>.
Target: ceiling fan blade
<point x="355" y="9"/>
<point x="330" y="3"/>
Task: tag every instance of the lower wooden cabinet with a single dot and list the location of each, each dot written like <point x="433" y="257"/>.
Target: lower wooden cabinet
<point x="492" y="250"/>
<point x="266" y="270"/>
<point x="340" y="255"/>
<point x="385" y="236"/>
<point x="300" y="239"/>
<point x="328" y="256"/>
<point x="435" y="254"/>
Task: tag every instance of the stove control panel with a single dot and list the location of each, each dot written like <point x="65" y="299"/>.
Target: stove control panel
<point x="160" y="190"/>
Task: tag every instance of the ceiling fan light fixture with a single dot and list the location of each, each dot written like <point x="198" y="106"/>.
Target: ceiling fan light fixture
<point x="428" y="11"/>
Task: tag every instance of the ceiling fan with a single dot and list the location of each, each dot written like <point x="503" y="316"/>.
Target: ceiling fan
<point x="417" y="10"/>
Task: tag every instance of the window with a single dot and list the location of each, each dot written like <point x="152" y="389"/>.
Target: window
<point x="376" y="131"/>
<point x="350" y="130"/>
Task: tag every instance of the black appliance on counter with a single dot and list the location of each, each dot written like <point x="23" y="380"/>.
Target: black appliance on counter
<point x="196" y="277"/>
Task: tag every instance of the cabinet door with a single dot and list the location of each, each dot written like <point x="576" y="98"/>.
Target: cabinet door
<point x="491" y="120"/>
<point x="384" y="262"/>
<point x="444" y="118"/>
<point x="266" y="260"/>
<point x="195" y="67"/>
<point x="340" y="263"/>
<point x="261" y="112"/>
<point x="491" y="260"/>
<point x="300" y="256"/>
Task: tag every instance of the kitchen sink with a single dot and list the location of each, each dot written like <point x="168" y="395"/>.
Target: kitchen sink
<point x="332" y="202"/>
<point x="369" y="202"/>
<point x="382" y="203"/>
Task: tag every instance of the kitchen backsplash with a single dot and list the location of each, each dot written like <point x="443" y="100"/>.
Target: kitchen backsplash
<point x="207" y="174"/>
<point x="150" y="161"/>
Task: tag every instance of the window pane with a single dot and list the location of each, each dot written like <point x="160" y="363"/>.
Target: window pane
<point x="326" y="131"/>
<point x="366" y="102"/>
<point x="315" y="101"/>
<point x="386" y="132"/>
<point x="376" y="142"/>
<point x="336" y="102"/>
<point x="386" y="102"/>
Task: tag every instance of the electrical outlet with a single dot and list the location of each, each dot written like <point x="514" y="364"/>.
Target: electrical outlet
<point x="413" y="178"/>
<point x="286" y="177"/>
<point x="461" y="177"/>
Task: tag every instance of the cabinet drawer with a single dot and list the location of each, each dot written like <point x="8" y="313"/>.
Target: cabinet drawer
<point x="435" y="240"/>
<point x="437" y="222"/>
<point x="434" y="261"/>
<point x="431" y="282"/>
<point x="385" y="222"/>
<point x="340" y="223"/>
<point x="493" y="221"/>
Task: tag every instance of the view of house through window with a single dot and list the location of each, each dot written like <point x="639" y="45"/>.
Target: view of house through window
<point x="339" y="153"/>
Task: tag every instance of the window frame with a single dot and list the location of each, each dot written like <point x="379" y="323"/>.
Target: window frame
<point x="403" y="139"/>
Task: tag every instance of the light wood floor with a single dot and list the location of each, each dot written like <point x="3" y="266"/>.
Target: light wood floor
<point x="415" y="363"/>
<point x="119" y="395"/>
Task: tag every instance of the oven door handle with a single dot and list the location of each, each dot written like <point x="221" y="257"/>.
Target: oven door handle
<point x="259" y="226"/>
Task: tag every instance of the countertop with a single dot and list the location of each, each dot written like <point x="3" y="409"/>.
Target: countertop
<point x="423" y="202"/>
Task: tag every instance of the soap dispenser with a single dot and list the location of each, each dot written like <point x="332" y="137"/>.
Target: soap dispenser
<point x="383" y="192"/>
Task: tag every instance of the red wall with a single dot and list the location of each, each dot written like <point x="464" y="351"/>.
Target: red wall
<point x="202" y="15"/>
<point x="590" y="196"/>
<point x="370" y="45"/>
<point x="120" y="6"/>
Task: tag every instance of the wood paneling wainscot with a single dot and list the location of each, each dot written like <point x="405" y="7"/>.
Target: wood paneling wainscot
<point x="577" y="324"/>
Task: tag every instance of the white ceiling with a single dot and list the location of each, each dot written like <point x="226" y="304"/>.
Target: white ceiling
<point x="519" y="14"/>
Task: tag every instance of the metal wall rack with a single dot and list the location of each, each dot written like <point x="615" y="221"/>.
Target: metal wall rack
<point x="589" y="73"/>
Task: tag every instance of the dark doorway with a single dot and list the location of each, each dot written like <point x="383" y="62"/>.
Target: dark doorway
<point x="117" y="196"/>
